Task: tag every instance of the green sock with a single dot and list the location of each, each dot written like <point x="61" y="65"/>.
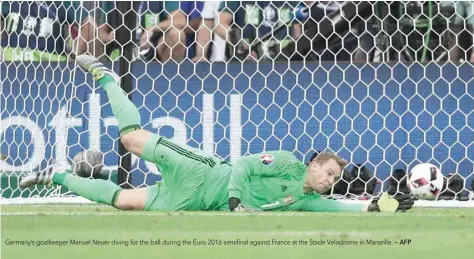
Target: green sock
<point x="124" y="110"/>
<point x="95" y="190"/>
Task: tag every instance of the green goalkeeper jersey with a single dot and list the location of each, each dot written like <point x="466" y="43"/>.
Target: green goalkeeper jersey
<point x="274" y="181"/>
<point x="268" y="180"/>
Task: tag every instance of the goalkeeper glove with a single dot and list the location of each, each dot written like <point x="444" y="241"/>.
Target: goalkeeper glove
<point x="242" y="208"/>
<point x="385" y="203"/>
<point x="236" y="206"/>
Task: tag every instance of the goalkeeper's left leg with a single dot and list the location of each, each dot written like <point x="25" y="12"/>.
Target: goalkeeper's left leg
<point x="179" y="165"/>
<point x="169" y="157"/>
<point x="132" y="136"/>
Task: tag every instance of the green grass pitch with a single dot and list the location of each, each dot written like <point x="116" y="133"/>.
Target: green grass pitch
<point x="93" y="231"/>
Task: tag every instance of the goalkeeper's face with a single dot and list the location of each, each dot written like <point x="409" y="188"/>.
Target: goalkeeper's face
<point x="322" y="176"/>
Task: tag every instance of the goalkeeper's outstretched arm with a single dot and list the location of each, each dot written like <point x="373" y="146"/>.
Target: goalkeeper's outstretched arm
<point x="320" y="204"/>
<point x="384" y="203"/>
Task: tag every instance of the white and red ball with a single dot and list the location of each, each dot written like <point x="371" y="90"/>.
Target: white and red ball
<point x="425" y="181"/>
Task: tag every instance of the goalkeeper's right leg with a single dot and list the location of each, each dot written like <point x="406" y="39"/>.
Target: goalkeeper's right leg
<point x="97" y="190"/>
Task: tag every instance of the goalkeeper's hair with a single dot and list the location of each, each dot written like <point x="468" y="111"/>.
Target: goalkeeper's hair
<point x="323" y="157"/>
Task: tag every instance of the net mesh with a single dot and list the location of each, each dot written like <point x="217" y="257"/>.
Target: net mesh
<point x="385" y="86"/>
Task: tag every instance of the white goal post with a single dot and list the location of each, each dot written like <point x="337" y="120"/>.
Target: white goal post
<point x="373" y="95"/>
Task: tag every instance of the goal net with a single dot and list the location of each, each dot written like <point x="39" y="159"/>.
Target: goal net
<point x="385" y="86"/>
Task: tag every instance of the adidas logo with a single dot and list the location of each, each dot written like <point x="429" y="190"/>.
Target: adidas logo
<point x="283" y="187"/>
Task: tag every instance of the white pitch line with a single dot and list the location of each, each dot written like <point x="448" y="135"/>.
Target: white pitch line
<point x="165" y="214"/>
<point x="207" y="214"/>
<point x="320" y="234"/>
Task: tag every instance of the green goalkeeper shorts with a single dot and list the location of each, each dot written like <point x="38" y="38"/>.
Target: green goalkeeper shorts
<point x="183" y="169"/>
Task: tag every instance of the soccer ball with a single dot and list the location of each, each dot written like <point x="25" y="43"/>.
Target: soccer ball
<point x="88" y="163"/>
<point x="425" y="181"/>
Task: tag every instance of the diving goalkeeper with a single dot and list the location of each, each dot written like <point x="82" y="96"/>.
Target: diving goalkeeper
<point x="195" y="181"/>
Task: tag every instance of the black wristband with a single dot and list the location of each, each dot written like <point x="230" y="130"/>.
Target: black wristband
<point x="373" y="207"/>
<point x="233" y="203"/>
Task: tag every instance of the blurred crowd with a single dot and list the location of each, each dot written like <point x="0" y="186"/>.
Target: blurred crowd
<point x="247" y="31"/>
